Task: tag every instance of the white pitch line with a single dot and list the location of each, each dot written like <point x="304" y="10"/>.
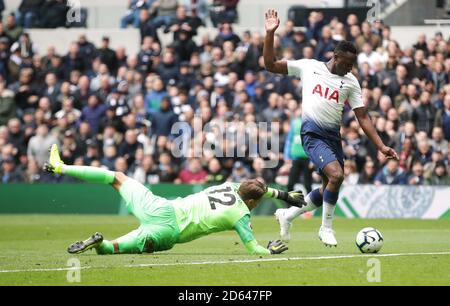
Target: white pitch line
<point x="283" y="259"/>
<point x="227" y="262"/>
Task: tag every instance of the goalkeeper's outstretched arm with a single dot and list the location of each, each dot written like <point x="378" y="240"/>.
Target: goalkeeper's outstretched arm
<point x="245" y="232"/>
<point x="293" y="198"/>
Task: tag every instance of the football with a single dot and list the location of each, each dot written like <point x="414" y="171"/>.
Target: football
<point x="369" y="240"/>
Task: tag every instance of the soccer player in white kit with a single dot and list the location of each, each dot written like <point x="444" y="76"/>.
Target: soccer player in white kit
<point x="326" y="89"/>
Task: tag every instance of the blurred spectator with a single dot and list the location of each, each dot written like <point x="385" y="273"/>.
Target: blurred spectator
<point x="351" y="173"/>
<point x="93" y="154"/>
<point x="29" y="13"/>
<point x="424" y="114"/>
<point x="9" y="172"/>
<point x="216" y="174"/>
<point x="121" y="165"/>
<point x="129" y="146"/>
<point x="147" y="173"/>
<point x="107" y="55"/>
<point x="261" y="172"/>
<point x="440" y="176"/>
<point x="226" y="33"/>
<point x="296" y="156"/>
<point x="367" y="36"/>
<point x="418" y="69"/>
<point x="193" y="173"/>
<point x="164" y="10"/>
<point x="239" y="173"/>
<point x="196" y="8"/>
<point x="109" y="156"/>
<point x="298" y="44"/>
<point x="146" y="26"/>
<point x="72" y="61"/>
<point x="167" y="170"/>
<point x="168" y="68"/>
<point x="314" y="26"/>
<point x="155" y="93"/>
<point x="87" y="48"/>
<point x="164" y="119"/>
<point x="424" y="152"/>
<point x="184" y="46"/>
<point x="443" y="117"/>
<point x="416" y="176"/>
<point x="224" y="11"/>
<point x="93" y="113"/>
<point x="39" y="144"/>
<point x="8" y="106"/>
<point x="54" y="14"/>
<point x="438" y="142"/>
<point x="406" y="154"/>
<point x="182" y="23"/>
<point x="391" y="174"/>
<point x="133" y="12"/>
<point x="70" y="149"/>
<point x="393" y="85"/>
<point x="68" y="111"/>
<point x="367" y="175"/>
<point x="17" y="136"/>
<point x="325" y="46"/>
<point x="12" y="28"/>
<point x="2" y="8"/>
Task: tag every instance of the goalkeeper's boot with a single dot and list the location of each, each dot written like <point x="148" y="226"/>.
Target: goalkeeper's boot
<point x="285" y="224"/>
<point x="82" y="246"/>
<point x="326" y="235"/>
<point x="54" y="164"/>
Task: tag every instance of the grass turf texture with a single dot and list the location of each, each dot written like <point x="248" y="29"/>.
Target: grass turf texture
<point x="33" y="242"/>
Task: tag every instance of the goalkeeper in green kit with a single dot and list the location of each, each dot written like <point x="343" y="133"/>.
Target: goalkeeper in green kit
<point x="165" y="223"/>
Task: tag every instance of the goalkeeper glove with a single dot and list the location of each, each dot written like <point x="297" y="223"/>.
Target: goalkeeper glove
<point x="295" y="198"/>
<point x="276" y="247"/>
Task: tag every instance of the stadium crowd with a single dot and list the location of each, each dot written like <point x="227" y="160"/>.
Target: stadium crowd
<point x="112" y="109"/>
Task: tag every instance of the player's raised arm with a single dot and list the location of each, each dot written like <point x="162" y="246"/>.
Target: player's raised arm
<point x="271" y="23"/>
<point x="371" y="132"/>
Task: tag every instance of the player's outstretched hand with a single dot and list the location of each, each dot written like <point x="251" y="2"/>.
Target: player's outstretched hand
<point x="276" y="247"/>
<point x="295" y="198"/>
<point x="389" y="153"/>
<point x="272" y="22"/>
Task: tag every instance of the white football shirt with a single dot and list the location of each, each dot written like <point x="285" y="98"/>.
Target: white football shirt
<point x="324" y="96"/>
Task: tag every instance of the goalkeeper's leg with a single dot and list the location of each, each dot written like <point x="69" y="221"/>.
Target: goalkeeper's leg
<point x="135" y="242"/>
<point x="88" y="174"/>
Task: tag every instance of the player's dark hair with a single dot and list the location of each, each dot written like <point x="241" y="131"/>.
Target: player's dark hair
<point x="252" y="189"/>
<point x="345" y="46"/>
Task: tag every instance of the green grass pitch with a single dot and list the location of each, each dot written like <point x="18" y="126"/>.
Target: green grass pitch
<point x="33" y="252"/>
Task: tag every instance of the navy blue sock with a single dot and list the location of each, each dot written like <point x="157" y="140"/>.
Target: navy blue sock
<point x="330" y="197"/>
<point x="316" y="197"/>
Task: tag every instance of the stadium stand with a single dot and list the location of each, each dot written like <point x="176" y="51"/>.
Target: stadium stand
<point x="110" y="98"/>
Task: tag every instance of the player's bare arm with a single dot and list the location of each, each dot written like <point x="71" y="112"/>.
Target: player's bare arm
<point x="272" y="22"/>
<point x="369" y="129"/>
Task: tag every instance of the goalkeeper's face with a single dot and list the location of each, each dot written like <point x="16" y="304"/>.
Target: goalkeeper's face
<point x="252" y="203"/>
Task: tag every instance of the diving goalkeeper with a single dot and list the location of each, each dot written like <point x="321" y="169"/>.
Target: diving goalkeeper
<point x="164" y="223"/>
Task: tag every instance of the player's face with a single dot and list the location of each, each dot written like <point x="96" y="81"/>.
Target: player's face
<point x="253" y="203"/>
<point x="344" y="62"/>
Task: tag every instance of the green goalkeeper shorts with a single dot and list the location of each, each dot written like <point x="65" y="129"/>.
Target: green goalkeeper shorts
<point x="156" y="215"/>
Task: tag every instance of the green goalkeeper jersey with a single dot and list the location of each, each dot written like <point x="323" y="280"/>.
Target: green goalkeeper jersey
<point x="215" y="209"/>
